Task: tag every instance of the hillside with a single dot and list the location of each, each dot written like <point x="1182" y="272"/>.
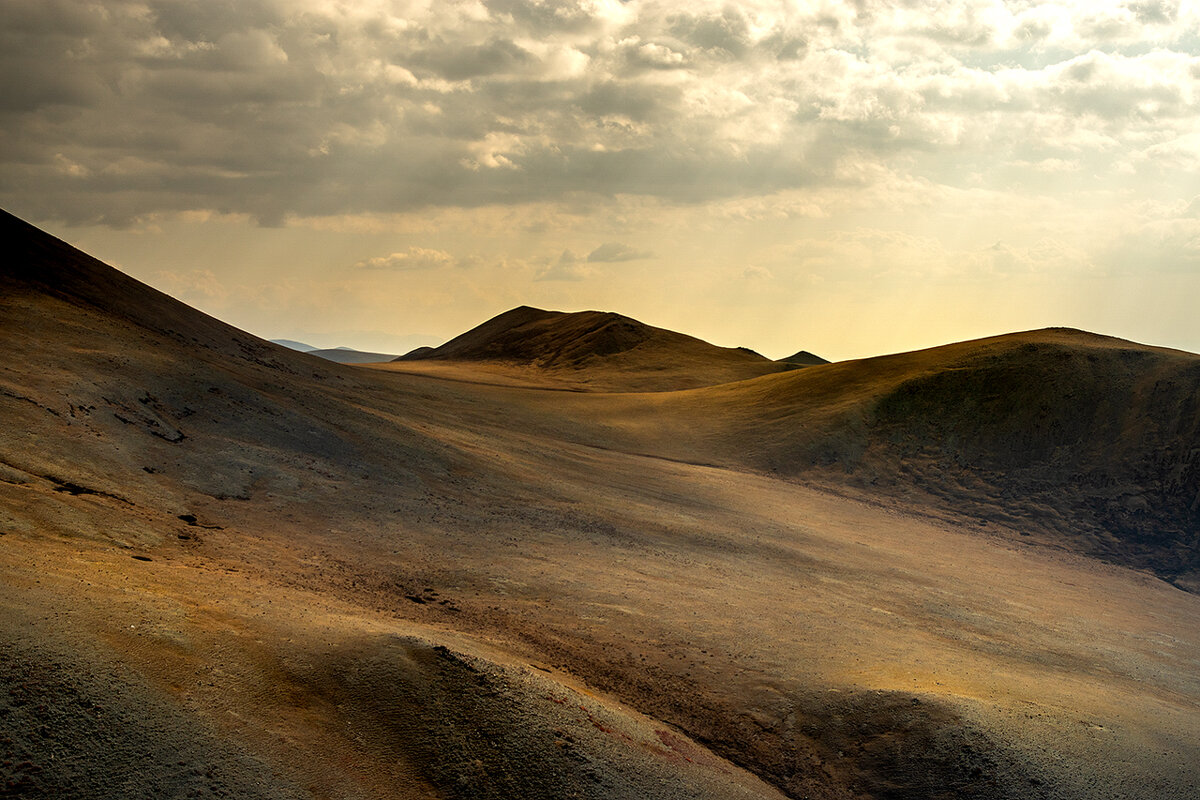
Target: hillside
<point x="232" y="569"/>
<point x="1079" y="441"/>
<point x="1053" y="432"/>
<point x="597" y="350"/>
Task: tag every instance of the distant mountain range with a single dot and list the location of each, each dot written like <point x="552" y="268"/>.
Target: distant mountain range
<point x="294" y="345"/>
<point x="342" y="355"/>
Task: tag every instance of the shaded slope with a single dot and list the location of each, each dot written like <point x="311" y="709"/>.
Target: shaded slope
<point x="599" y="350"/>
<point x="1088" y="442"/>
<point x="50" y="268"/>
<point x="115" y="390"/>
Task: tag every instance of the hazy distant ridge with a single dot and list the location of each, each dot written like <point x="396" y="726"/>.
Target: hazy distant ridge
<point x="294" y="345"/>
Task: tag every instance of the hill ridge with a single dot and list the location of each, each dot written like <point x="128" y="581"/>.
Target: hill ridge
<point x="535" y="335"/>
<point x="604" y="350"/>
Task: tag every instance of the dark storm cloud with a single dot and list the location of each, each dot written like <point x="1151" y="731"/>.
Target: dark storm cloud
<point x="36" y="41"/>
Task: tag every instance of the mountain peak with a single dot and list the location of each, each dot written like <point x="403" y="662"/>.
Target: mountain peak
<point x="805" y="359"/>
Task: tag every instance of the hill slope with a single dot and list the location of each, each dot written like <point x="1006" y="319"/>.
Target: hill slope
<point x="599" y="350"/>
<point x="231" y="569"/>
<point x="1081" y="441"/>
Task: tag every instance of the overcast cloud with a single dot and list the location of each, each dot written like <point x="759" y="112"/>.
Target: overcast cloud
<point x="119" y="112"/>
<point x="115" y="110"/>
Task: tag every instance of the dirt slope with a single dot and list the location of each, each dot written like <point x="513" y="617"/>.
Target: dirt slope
<point x="1081" y="441"/>
<point x="229" y="569"/>
<point x="598" y="351"/>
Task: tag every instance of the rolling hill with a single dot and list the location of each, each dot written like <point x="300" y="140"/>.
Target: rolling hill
<point x="232" y="569"/>
<point x="1076" y="440"/>
<point x="598" y="350"/>
<point x="1081" y="441"/>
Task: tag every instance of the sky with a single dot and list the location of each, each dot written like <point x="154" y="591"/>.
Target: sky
<point x="851" y="178"/>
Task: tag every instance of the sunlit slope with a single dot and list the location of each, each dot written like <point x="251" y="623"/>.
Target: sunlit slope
<point x="1088" y="442"/>
<point x="598" y="351"/>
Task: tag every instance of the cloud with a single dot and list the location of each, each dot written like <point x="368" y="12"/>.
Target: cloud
<point x="120" y="111"/>
<point x="615" y="251"/>
<point x="726" y="33"/>
<point x="756" y="273"/>
<point x="411" y="259"/>
<point x="1048" y="256"/>
<point x="876" y="254"/>
<point x="1165" y="245"/>
<point x="568" y="267"/>
<point x="651" y="55"/>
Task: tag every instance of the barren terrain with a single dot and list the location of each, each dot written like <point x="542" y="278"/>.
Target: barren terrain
<point x="234" y="570"/>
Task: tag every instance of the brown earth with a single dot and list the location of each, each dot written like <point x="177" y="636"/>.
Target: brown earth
<point x="1074" y="440"/>
<point x="229" y="569"/>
